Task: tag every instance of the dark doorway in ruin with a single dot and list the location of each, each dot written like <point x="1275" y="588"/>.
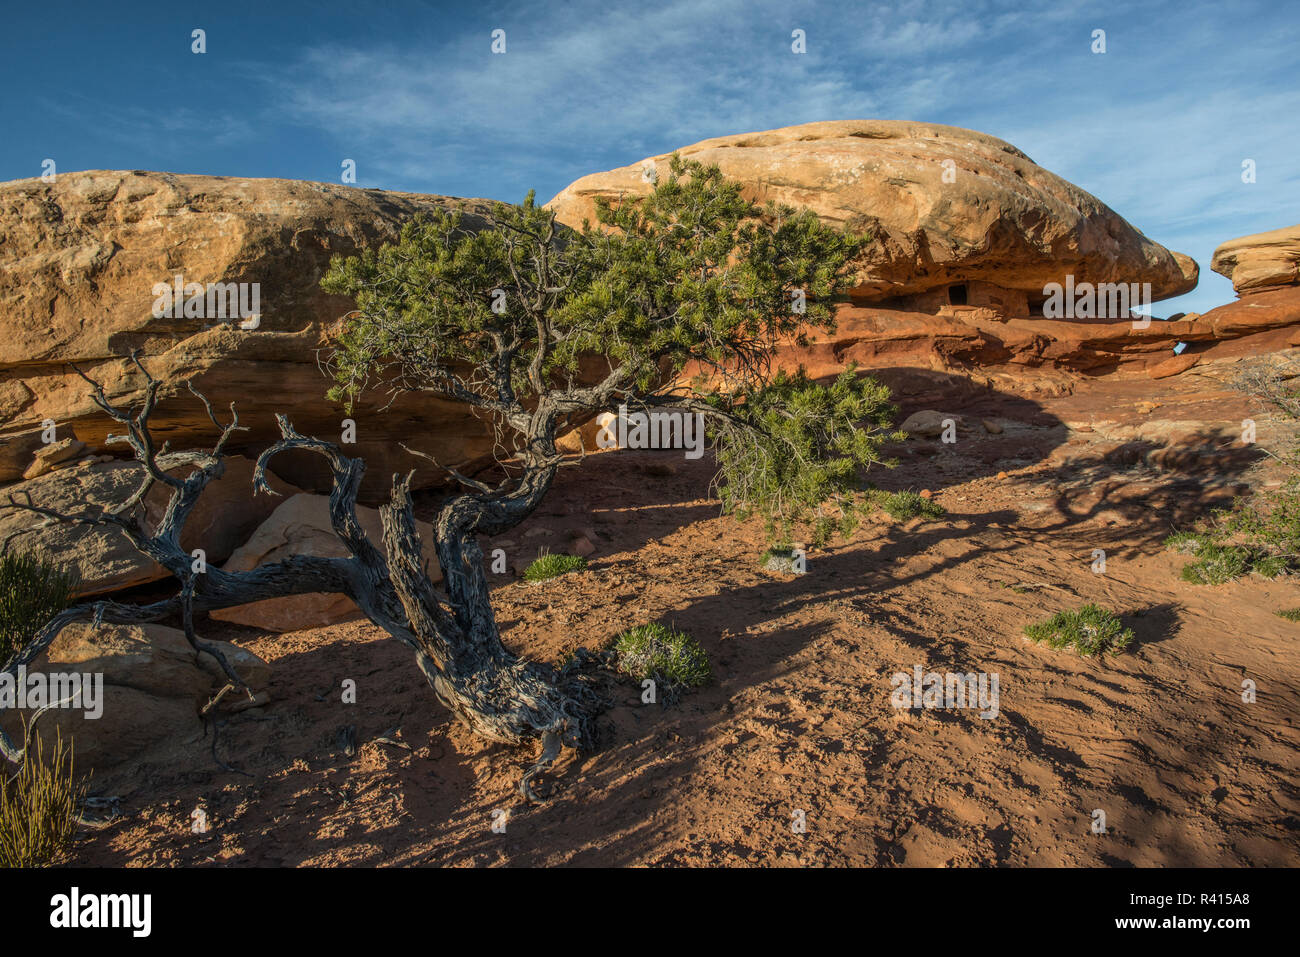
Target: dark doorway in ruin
<point x="957" y="294"/>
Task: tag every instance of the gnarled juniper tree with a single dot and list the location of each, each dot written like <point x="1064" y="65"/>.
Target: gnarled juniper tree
<point x="675" y="299"/>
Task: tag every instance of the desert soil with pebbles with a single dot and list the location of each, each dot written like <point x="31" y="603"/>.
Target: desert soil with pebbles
<point x="799" y="716"/>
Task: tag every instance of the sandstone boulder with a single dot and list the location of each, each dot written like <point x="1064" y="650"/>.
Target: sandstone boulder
<point x="17" y="450"/>
<point x="102" y="557"/>
<point x="1002" y="219"/>
<point x="301" y="526"/>
<point x="1174" y="365"/>
<point x="930" y="424"/>
<point x="53" y="456"/>
<point x="79" y="259"/>
<point x="227" y="513"/>
<point x="1261" y="260"/>
<point x="153" y="690"/>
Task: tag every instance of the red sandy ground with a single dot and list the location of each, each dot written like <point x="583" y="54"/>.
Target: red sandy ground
<point x="799" y="716"/>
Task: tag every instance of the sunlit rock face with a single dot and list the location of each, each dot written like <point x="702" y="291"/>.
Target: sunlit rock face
<point x="81" y="263"/>
<point x="1260" y="261"/>
<point x="958" y="218"/>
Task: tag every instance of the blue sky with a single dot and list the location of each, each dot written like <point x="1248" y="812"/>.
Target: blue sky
<point x="1157" y="127"/>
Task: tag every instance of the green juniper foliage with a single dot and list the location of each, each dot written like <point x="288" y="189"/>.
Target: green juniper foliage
<point x="1290" y="614"/>
<point x="678" y="298"/>
<point x="800" y="460"/>
<point x="549" y="566"/>
<point x="1090" y="630"/>
<point x="32" y="591"/>
<point x="672" y="658"/>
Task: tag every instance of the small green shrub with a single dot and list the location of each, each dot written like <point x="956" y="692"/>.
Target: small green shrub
<point x="550" y="566"/>
<point x="1259" y="535"/>
<point x="38" y="807"/>
<point x="904" y="505"/>
<point x="1267" y="520"/>
<point x="1217" y="564"/>
<point x="1219" y="560"/>
<point x="1090" y="630"/>
<point x="32" y="591"/>
<point x="1290" y="614"/>
<point x="672" y="658"/>
<point x="1270" y="566"/>
<point x="1185" y="543"/>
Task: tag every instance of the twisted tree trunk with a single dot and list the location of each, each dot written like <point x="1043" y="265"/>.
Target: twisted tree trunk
<point x="454" y="636"/>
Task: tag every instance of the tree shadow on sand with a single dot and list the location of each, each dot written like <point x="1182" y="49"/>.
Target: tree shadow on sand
<point x="616" y="805"/>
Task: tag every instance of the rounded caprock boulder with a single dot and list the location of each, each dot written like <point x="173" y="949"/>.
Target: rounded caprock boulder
<point x="1260" y="261"/>
<point x="944" y="205"/>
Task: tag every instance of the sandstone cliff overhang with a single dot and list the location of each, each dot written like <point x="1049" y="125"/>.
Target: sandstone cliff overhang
<point x="944" y="205"/>
<point x="79" y="261"/>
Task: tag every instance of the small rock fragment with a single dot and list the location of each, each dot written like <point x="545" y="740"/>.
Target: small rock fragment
<point x="53" y="456"/>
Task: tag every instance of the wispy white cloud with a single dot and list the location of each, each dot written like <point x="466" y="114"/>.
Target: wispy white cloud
<point x="632" y="80"/>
